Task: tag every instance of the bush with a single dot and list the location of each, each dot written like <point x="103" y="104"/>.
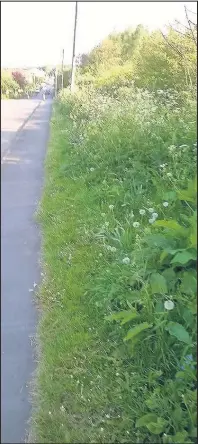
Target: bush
<point x="9" y="87"/>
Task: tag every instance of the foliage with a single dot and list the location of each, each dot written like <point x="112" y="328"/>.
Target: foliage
<point x="118" y="216"/>
<point x="9" y="87"/>
<point x="20" y="79"/>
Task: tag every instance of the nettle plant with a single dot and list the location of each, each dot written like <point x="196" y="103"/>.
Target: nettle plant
<point x="162" y="317"/>
<point x="170" y="254"/>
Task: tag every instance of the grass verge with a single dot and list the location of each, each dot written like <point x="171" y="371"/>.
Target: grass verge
<point x="107" y="160"/>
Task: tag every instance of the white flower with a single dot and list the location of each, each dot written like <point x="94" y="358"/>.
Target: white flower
<point x="142" y="212"/>
<point x="154" y="216"/>
<point x="91" y="169"/>
<point x="136" y="224"/>
<point x="62" y="408"/>
<point x="169" y="174"/>
<point x="126" y="260"/>
<point x="50" y="413"/>
<point x="151" y="221"/>
<point x="163" y="165"/>
<point x="151" y="210"/>
<point x="169" y="305"/>
<point x="112" y="249"/>
<point x="111" y="207"/>
<point x="107" y="416"/>
<point x="117" y="374"/>
<point x="165" y="204"/>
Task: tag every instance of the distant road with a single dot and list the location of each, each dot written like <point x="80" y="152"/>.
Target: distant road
<point x="14" y="113"/>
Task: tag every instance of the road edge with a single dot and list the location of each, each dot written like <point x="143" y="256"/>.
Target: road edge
<point x="7" y="151"/>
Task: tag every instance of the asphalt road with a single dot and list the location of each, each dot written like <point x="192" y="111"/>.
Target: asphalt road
<point x="21" y="185"/>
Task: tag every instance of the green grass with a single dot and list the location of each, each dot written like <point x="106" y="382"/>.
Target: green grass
<point x="102" y="167"/>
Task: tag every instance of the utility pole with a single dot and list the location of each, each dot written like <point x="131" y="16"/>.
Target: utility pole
<point x="74" y="47"/>
<point x="62" y="68"/>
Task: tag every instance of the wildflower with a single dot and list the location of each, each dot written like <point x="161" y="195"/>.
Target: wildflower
<point x="169" y="305"/>
<point x="165" y="204"/>
<point x="142" y="212"/>
<point x="111" y="207"/>
<point x="50" y="413"/>
<point x="171" y="148"/>
<point x="154" y="216"/>
<point x="126" y="260"/>
<point x="151" y="210"/>
<point x="136" y="224"/>
<point x="91" y="169"/>
<point x="163" y="165"/>
<point x="151" y="221"/>
<point x="169" y="174"/>
<point x="107" y="416"/>
<point x="117" y="374"/>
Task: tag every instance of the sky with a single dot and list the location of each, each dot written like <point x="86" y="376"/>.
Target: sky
<point x="35" y="33"/>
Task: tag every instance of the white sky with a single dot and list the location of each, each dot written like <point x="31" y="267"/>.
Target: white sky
<point x="34" y="33"/>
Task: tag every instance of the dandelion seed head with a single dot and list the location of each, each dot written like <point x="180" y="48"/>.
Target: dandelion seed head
<point x="126" y="260"/>
<point x="136" y="224"/>
<point x="169" y="305"/>
<point x="142" y="212"/>
<point x="165" y="204"/>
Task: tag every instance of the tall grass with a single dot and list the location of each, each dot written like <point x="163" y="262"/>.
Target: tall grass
<point x="118" y="328"/>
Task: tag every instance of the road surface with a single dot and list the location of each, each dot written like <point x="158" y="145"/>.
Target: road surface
<point x="21" y="184"/>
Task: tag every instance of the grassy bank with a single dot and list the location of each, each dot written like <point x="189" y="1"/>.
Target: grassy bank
<point x="117" y="334"/>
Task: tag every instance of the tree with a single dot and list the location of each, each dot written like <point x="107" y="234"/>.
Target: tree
<point x="20" y="79"/>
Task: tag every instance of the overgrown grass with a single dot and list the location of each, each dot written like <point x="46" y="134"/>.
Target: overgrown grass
<point x="110" y="161"/>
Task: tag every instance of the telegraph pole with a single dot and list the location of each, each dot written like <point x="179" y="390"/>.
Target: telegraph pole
<point x="62" y="68"/>
<point x="74" y="47"/>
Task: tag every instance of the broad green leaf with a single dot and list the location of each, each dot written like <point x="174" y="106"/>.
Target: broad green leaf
<point x="170" y="277"/>
<point x="181" y="437"/>
<point x="190" y="194"/>
<point x="125" y="314"/>
<point x="171" y="224"/>
<point x="159" y="307"/>
<point x="158" y="240"/>
<point x="144" y="420"/>
<point x="170" y="196"/>
<point x="153" y="423"/>
<point x="128" y="317"/>
<point x="158" y="284"/>
<point x="158" y="427"/>
<point x="177" y="330"/>
<point x="188" y="283"/>
<point x="136" y="330"/>
<point x="163" y="255"/>
<point x="183" y="257"/>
